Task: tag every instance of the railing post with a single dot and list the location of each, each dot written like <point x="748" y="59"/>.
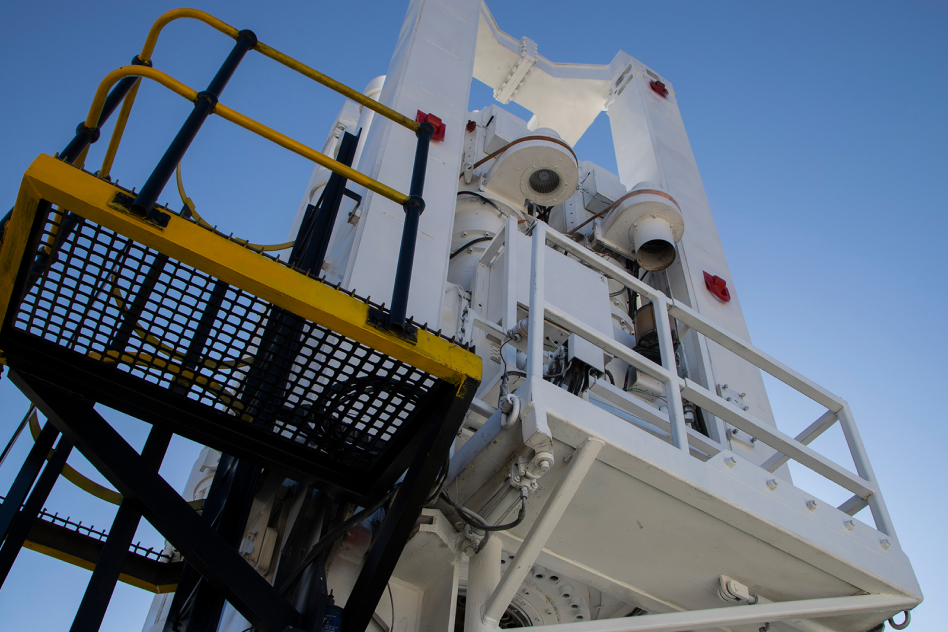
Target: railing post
<point x="509" y="321"/>
<point x="861" y="460"/>
<point x="203" y="106"/>
<point x="414" y="206"/>
<point x="535" y="335"/>
<point x="676" y="413"/>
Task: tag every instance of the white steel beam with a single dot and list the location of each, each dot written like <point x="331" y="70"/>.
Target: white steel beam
<point x="537" y="302"/>
<point x="541" y="530"/>
<point x="676" y="414"/>
<point x="640" y="362"/>
<point x="777" y="440"/>
<point x="814" y="430"/>
<point x="755" y="356"/>
<point x="854" y="505"/>
<point x="741" y="615"/>
<point x="861" y="460"/>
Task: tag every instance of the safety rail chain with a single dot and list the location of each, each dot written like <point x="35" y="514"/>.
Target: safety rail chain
<point x="101" y="536"/>
<point x="863" y="484"/>
<point x="121" y="86"/>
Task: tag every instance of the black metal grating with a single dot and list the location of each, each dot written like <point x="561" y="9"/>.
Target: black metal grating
<point x="138" y="311"/>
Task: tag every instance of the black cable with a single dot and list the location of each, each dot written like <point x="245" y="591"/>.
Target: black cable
<point x="467" y="245"/>
<point x="327" y="540"/>
<point x="439" y="483"/>
<point x="482" y="198"/>
<point x="477" y="524"/>
<point x="392" y="601"/>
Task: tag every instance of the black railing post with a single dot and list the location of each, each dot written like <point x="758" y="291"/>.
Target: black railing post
<point x="204" y="104"/>
<point x="414" y="207"/>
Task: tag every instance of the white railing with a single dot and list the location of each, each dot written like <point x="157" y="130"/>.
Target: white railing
<point x="863" y="484"/>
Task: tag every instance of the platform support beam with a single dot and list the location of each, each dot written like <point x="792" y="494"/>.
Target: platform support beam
<point x="17" y="532"/>
<point x="95" y="601"/>
<point x="164" y="508"/>
<point x="406" y="506"/>
<point x="741" y="615"/>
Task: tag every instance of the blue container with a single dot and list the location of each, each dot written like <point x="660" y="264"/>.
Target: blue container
<point x="332" y="620"/>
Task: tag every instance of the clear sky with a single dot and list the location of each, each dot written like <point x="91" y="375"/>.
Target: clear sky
<point x="819" y="129"/>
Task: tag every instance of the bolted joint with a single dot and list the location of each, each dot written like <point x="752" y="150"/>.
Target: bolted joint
<point x="249" y="35"/>
<point x="414" y="201"/>
<point x="91" y="132"/>
<point x="137" y="61"/>
<point x="204" y="95"/>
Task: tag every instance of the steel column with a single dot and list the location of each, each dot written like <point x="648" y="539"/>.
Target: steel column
<point x="413" y="209"/>
<point x="164" y="508"/>
<point x="407" y="504"/>
<point x="16" y="536"/>
<point x="535" y="334"/>
<point x="483" y="576"/>
<point x="676" y="413"/>
<point x="101" y="585"/>
<point x="203" y="106"/>
<point x="26" y="477"/>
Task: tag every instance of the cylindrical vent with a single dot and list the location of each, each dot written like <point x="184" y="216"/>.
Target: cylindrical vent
<point x="654" y="243"/>
<point x="544" y="180"/>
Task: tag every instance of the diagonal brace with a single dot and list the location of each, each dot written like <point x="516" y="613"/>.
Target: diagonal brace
<point x="164" y="508"/>
<point x="541" y="530"/>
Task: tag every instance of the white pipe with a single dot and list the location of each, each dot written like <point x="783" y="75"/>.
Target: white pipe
<point x="537" y="305"/>
<point x="483" y="575"/>
<point x="512" y="286"/>
<point x="740" y="615"/>
<point x="541" y="530"/>
<point x="676" y="413"/>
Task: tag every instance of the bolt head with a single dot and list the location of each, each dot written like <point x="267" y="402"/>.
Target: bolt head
<point x="772" y="484"/>
<point x="885" y="542"/>
<point x="811" y="505"/>
<point x="850" y="525"/>
<point x="730" y="461"/>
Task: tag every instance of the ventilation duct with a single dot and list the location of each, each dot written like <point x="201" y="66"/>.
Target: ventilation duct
<point x="538" y="167"/>
<point x="647" y="222"/>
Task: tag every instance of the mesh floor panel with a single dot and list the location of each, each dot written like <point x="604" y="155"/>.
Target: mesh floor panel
<point x="135" y="310"/>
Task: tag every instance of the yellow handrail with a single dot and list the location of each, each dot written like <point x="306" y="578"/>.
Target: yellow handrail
<point x="98" y="102"/>
<point x="118" y="131"/>
<point x="152" y="40"/>
<point x="308" y="152"/>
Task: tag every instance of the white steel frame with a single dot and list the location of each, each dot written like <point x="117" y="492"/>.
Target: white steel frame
<point x="863" y="484"/>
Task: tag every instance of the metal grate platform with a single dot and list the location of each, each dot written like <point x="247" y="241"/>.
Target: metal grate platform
<point x="137" y="311"/>
<point x="180" y="325"/>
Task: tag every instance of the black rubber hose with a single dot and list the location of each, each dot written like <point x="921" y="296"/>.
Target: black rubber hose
<point x="326" y="541"/>
<point x="482" y="198"/>
<point x="468" y="245"/>
<point x="477" y="524"/>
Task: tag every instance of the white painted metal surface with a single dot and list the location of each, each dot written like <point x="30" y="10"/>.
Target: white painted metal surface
<point x="633" y="507"/>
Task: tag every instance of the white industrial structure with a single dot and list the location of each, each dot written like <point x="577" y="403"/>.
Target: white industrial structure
<point x="622" y="435"/>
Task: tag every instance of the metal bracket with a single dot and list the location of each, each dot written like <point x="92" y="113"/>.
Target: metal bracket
<point x="379" y="319"/>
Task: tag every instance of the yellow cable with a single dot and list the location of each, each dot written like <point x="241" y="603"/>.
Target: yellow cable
<point x="200" y="220"/>
<point x="79" y="480"/>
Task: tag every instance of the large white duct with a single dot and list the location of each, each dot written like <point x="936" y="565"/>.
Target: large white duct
<point x="539" y="167"/>
<point x="648" y="222"/>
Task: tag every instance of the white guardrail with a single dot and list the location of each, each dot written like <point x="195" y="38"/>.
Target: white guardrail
<point x="863" y="484"/>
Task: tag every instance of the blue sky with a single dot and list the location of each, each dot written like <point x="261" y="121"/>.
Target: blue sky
<point x="819" y="129"/>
